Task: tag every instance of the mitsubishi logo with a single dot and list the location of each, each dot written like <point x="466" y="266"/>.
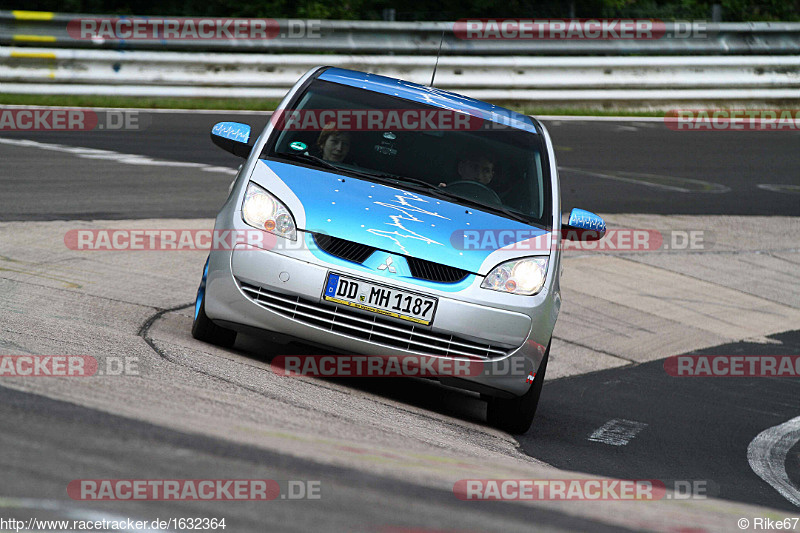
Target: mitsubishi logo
<point x="387" y="266"/>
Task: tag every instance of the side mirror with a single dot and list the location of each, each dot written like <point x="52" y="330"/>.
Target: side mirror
<point x="232" y="137"/>
<point x="583" y="226"/>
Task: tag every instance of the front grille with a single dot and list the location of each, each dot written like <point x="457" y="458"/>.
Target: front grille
<point x="347" y="250"/>
<point x="439" y="273"/>
<point x="358" y="253"/>
<point x="368" y="327"/>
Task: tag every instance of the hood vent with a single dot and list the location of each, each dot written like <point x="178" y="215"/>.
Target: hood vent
<point x="358" y="253"/>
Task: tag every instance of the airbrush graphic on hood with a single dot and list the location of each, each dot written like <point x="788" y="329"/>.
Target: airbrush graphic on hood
<point x="406" y="204"/>
<point x="387" y="217"/>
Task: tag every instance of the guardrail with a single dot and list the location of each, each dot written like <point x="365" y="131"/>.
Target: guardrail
<point x="523" y="80"/>
<point x="752" y="63"/>
<point x="24" y="28"/>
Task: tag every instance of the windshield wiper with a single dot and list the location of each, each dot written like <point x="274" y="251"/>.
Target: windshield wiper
<point x="519" y="217"/>
<point x="437" y="191"/>
<point x="327" y="164"/>
<point x="310" y="159"/>
<point x="516" y="215"/>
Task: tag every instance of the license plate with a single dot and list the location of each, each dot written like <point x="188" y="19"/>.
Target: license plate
<point x="380" y="299"/>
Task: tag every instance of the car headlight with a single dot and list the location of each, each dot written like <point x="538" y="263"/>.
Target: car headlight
<point x="519" y="276"/>
<point x="262" y="210"/>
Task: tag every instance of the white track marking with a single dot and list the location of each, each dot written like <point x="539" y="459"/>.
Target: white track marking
<point x="549" y="118"/>
<point x="577" y="118"/>
<point x="69" y="510"/>
<point x="146" y="109"/>
<point x="642" y="179"/>
<point x="617" y="432"/>
<point x="767" y="457"/>
<point x="127" y="159"/>
<point x="779" y="187"/>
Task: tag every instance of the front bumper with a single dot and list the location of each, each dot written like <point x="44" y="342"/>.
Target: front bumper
<point x="280" y="291"/>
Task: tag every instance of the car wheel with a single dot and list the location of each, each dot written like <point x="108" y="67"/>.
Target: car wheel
<point x="203" y="329"/>
<point x="515" y="415"/>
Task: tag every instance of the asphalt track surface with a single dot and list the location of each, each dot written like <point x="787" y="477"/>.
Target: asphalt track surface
<point x="607" y="167"/>
<point x="686" y="419"/>
<point x="48" y="434"/>
<point x="696" y="428"/>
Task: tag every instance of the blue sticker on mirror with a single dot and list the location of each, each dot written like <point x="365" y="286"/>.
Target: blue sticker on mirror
<point x="586" y="220"/>
<point x="232" y="130"/>
<point x="297" y="145"/>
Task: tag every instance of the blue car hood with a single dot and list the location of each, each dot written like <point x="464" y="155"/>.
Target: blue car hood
<point x="399" y="221"/>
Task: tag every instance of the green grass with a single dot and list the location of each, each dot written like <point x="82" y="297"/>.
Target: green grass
<point x="147" y="102"/>
<point x="258" y="104"/>
<point x="587" y="112"/>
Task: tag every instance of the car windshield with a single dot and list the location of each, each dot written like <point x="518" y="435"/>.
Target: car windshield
<point x="440" y="152"/>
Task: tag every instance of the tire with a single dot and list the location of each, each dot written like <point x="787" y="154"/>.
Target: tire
<point x="203" y="329"/>
<point x="515" y="415"/>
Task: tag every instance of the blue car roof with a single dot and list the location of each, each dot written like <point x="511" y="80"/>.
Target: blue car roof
<point x="428" y="95"/>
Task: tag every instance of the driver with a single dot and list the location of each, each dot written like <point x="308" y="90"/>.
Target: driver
<point x="474" y="168"/>
<point x="480" y="169"/>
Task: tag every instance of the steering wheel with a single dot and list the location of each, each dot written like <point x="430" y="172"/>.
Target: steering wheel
<point x="484" y="192"/>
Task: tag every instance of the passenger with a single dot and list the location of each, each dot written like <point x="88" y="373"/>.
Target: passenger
<point x="333" y="144"/>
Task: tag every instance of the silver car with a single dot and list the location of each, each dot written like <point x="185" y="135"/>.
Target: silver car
<point x="388" y="218"/>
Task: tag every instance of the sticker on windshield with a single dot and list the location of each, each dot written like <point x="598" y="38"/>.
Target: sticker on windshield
<point x="385" y="150"/>
<point x="297" y="145"/>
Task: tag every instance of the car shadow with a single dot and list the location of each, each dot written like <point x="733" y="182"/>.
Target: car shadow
<point x="428" y="394"/>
